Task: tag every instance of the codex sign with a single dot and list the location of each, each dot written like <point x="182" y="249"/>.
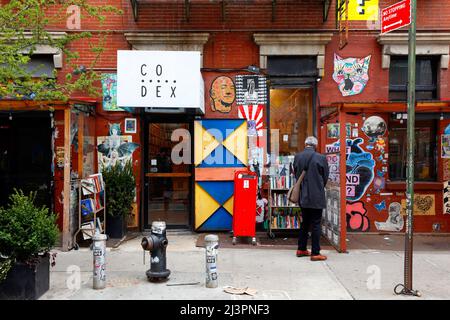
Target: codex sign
<point x="159" y="79"/>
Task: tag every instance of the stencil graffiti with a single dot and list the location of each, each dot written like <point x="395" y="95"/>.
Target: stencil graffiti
<point x="394" y="221"/>
<point x="359" y="162"/>
<point x="356" y="215"/>
<point x="351" y="74"/>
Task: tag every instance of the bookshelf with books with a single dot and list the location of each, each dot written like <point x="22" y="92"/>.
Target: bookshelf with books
<point x="283" y="214"/>
<point x="91" y="207"/>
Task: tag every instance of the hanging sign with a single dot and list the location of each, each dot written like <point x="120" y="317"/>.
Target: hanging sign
<point x="159" y="79"/>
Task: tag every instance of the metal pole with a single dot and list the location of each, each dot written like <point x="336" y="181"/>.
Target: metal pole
<point x="408" y="275"/>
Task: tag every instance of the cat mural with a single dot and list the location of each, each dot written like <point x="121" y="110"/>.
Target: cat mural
<point x="351" y="74"/>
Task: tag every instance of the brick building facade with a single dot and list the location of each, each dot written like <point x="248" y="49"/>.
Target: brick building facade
<point x="233" y="35"/>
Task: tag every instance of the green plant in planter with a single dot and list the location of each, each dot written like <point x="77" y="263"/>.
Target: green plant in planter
<point x="120" y="189"/>
<point x="25" y="231"/>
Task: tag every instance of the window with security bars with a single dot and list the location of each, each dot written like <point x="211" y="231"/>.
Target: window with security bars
<point x="426" y="78"/>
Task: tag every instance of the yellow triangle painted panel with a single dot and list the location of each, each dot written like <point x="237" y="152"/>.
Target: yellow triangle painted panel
<point x="237" y="143"/>
<point x="205" y="143"/>
<point x="205" y="206"/>
<point x="228" y="205"/>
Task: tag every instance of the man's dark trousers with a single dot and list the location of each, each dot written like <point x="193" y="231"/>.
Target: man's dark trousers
<point x="310" y="217"/>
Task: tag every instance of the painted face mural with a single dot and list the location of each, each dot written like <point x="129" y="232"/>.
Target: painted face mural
<point x="351" y="74"/>
<point x="361" y="163"/>
<point x="222" y="94"/>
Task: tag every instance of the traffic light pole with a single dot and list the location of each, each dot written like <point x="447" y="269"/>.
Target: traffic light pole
<point x="407" y="287"/>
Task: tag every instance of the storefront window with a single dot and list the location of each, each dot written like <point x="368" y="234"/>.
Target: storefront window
<point x="425" y="168"/>
<point x="426" y="78"/>
<point x="291" y="114"/>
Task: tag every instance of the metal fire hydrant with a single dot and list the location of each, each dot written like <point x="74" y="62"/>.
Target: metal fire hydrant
<point x="211" y="245"/>
<point x="99" y="252"/>
<point x="156" y="243"/>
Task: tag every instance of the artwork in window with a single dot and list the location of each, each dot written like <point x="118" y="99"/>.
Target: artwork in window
<point x="445" y="146"/>
<point x="130" y="125"/>
<point x="351" y="74"/>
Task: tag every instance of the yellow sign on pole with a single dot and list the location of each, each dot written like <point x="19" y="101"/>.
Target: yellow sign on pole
<point x="363" y="10"/>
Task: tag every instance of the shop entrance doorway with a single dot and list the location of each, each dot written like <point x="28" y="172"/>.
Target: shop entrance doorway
<point x="26" y="155"/>
<point x="168" y="175"/>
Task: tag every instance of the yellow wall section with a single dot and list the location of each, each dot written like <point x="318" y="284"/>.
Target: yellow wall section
<point x="229" y="205"/>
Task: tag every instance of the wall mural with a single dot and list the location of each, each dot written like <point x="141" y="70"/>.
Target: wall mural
<point x="114" y="148"/>
<point x="254" y="114"/>
<point x="446" y="197"/>
<point x="359" y="162"/>
<point x="109" y="89"/>
<point x="394" y="221"/>
<point x="222" y="94"/>
<point x="351" y="74"/>
<point x="424" y="205"/>
<point x="251" y="89"/>
<point x="445" y="146"/>
<point x="357" y="219"/>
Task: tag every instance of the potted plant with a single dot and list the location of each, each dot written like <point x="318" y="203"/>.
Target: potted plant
<point x="120" y="188"/>
<point x="27" y="233"/>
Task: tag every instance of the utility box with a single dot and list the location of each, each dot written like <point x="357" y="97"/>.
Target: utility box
<point x="244" y="206"/>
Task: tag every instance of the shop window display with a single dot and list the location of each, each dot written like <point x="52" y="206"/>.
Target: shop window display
<point x="425" y="168"/>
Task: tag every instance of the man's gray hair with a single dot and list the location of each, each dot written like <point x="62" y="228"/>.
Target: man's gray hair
<point x="311" y="141"/>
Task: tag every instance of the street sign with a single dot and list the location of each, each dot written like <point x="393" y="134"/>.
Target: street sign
<point x="396" y="16"/>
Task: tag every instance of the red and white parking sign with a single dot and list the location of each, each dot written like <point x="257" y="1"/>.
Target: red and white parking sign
<point x="396" y="16"/>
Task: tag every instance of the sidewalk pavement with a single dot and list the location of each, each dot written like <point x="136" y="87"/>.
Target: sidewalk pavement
<point x="275" y="273"/>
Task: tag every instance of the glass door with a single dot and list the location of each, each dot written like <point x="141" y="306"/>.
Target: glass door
<point x="168" y="174"/>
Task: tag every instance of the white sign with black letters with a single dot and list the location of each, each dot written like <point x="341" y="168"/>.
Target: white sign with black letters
<point x="159" y="79"/>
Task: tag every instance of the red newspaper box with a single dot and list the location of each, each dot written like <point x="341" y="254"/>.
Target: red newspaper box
<point x="244" y="206"/>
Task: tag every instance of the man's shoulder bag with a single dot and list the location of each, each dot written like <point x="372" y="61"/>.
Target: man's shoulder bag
<point x="294" y="192"/>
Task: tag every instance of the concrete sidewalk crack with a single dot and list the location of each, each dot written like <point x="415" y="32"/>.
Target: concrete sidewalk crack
<point x="333" y="275"/>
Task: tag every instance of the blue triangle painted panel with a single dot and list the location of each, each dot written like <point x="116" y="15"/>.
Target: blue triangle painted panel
<point x="221" y="191"/>
<point x="220" y="157"/>
<point x="225" y="127"/>
<point x="219" y="220"/>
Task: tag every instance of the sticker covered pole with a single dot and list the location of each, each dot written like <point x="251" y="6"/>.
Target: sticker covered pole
<point x="407" y="287"/>
<point x="211" y="245"/>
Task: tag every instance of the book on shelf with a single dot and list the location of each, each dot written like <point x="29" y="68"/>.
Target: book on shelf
<point x="87" y="209"/>
<point x="281" y="200"/>
<point x="98" y="181"/>
<point x="87" y="229"/>
<point x="87" y="186"/>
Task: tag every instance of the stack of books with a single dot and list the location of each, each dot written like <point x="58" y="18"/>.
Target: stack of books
<point x="93" y="184"/>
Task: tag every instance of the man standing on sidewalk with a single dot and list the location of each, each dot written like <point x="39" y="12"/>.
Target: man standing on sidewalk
<point x="312" y="196"/>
